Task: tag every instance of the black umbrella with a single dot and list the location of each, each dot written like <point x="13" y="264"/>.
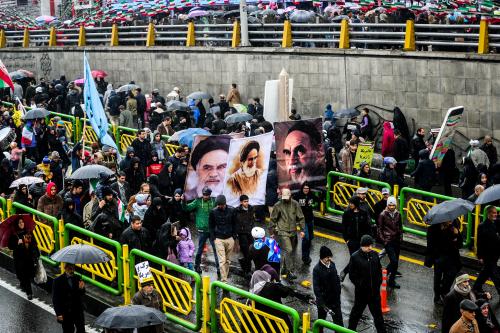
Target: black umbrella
<point x="448" y="211"/>
<point x="346" y="113"/>
<point x="127" y="87"/>
<point x="489" y="195"/>
<point x="131" y="316"/>
<point x="301" y="16"/>
<point x="38" y="113"/>
<point x="199" y="95"/>
<point x="232" y="13"/>
<point x="238" y="118"/>
<point x="176" y="105"/>
<point x="80" y="254"/>
<point x="92" y="171"/>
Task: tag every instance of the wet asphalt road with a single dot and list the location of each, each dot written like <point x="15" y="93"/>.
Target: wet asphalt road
<point x="20" y="315"/>
<point x="412" y="306"/>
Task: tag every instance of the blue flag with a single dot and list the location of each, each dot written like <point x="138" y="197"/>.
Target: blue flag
<point x="94" y="109"/>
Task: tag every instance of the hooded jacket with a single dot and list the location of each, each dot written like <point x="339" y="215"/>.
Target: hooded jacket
<point x="154" y="217"/>
<point x="50" y="204"/>
<point x="125" y="163"/>
<point x="202" y="211"/>
<point x="185" y="248"/>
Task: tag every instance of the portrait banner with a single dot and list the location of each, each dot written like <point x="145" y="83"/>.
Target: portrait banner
<point x="299" y="153"/>
<point x="247" y="168"/>
<point x="445" y="137"/>
<point x="364" y="154"/>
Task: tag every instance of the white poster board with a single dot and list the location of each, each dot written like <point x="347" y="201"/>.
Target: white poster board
<point x="271" y="100"/>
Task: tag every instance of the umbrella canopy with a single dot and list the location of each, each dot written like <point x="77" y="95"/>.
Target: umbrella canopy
<point x="17" y="75"/>
<point x="238" y="118"/>
<point x="99" y="73"/>
<point x="26" y="181"/>
<point x="92" y="171"/>
<point x="130" y="316"/>
<point x="80" y="254"/>
<point x="176" y="105"/>
<point x="197" y="13"/>
<point x="26" y="72"/>
<point x="127" y="88"/>
<point x="36" y="114"/>
<point x="7" y="227"/>
<point x="491" y="194"/>
<point x="448" y="211"/>
<point x="268" y="12"/>
<point x="232" y="13"/>
<point x="44" y="19"/>
<point x="199" y="95"/>
<point x="346" y="113"/>
<point x="187" y="136"/>
<point x="301" y="16"/>
<point x="79" y="81"/>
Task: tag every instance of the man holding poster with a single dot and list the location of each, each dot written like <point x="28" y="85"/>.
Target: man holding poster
<point x="300" y="154"/>
<point x="246" y="173"/>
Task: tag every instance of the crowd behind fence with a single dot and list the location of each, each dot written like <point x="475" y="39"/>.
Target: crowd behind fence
<point x="482" y="38"/>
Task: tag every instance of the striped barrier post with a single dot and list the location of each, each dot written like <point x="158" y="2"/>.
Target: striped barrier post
<point x="383" y="293"/>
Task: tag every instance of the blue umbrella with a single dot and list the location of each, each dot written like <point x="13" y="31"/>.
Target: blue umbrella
<point x="187" y="136"/>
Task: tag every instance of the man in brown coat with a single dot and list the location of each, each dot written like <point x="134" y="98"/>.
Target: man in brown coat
<point x="151" y="298"/>
<point x="467" y="322"/>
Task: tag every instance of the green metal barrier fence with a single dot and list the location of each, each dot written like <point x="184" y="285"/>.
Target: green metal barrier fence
<point x="176" y="292"/>
<point x="47" y="232"/>
<point x="320" y="323"/>
<point x="109" y="272"/>
<point x="346" y="190"/>
<point x="3" y="208"/>
<point x="240" y="317"/>
<point x="124" y="137"/>
<point x="415" y="209"/>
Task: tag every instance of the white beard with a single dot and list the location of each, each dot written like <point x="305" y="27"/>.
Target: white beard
<point x="249" y="172"/>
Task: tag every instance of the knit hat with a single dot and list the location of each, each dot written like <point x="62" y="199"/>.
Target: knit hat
<point x="361" y="190"/>
<point x="325" y="252"/>
<point x="385" y="190"/>
<point x="391" y="201"/>
<point x="462" y="278"/>
<point x="366" y="240"/>
<point x="220" y="200"/>
<point x="46" y="160"/>
<point x="258" y="233"/>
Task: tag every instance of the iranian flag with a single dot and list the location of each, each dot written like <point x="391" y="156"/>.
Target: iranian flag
<point x="4" y="76"/>
<point x="122" y="211"/>
<point x="27" y="136"/>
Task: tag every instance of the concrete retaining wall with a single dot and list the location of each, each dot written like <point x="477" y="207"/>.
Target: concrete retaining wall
<point x="423" y="84"/>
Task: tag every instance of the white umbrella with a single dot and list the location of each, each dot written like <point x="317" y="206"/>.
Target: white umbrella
<point x="29" y="180"/>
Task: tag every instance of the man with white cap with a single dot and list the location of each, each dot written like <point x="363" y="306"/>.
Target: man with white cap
<point x="286" y="218"/>
<point x="379" y="207"/>
<point x="390" y="232"/>
<point x="361" y="193"/>
<point x="478" y="156"/>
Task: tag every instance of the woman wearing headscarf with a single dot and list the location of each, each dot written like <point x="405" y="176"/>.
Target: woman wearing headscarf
<point x="158" y="146"/>
<point x="166" y="179"/>
<point x="154" y="216"/>
<point x="166" y="240"/>
<point x="486" y="320"/>
<point x="468" y="178"/>
<point x="22" y="196"/>
<point x="69" y="215"/>
<point x="175" y="211"/>
<point x="154" y="165"/>
<point x="25" y="253"/>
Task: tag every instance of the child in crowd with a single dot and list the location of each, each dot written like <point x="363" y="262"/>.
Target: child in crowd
<point x="185" y="248"/>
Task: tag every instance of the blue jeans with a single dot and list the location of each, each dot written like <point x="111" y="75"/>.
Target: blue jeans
<point x="204" y="236"/>
<point x="188" y="265"/>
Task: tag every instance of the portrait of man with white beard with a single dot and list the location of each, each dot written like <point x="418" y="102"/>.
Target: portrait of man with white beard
<point x="246" y="178"/>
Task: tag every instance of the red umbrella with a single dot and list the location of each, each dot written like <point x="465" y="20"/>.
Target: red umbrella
<point x="99" y="74"/>
<point x="7" y="227"/>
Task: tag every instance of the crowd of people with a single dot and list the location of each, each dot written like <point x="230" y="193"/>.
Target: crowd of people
<point x="147" y="186"/>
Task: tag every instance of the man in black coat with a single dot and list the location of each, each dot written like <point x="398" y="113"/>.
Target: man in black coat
<point x="244" y="223"/>
<point x="141" y="104"/>
<point x="307" y="201"/>
<point x="222" y="232"/>
<point x="67" y="292"/>
<point x="142" y="147"/>
<point x="443" y="244"/>
<point x="136" y="236"/>
<point x="355" y="224"/>
<point x="488" y="250"/>
<point x="326" y="286"/>
<point x="401" y="153"/>
<point x="105" y="220"/>
<point x="425" y="173"/>
<point x="366" y="275"/>
<point x="417" y="144"/>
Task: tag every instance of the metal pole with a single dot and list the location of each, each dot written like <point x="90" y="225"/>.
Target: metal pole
<point x="244" y="23"/>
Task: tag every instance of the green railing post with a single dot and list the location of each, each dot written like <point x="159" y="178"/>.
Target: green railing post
<point x="319" y="323"/>
<point x="259" y="299"/>
<point x="119" y="257"/>
<point x="3" y="202"/>
<point x="198" y="286"/>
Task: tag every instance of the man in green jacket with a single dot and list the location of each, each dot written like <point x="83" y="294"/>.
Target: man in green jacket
<point x="286" y="219"/>
<point x="201" y="208"/>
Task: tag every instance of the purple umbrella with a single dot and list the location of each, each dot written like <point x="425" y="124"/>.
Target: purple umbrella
<point x="197" y="13"/>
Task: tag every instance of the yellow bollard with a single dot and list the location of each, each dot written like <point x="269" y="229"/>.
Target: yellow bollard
<point x="206" y="304"/>
<point x="395" y="191"/>
<point x="483" y="46"/>
<point x="306" y="322"/>
<point x="26" y="38"/>
<point x="126" y="275"/>
<point x="3" y="39"/>
<point x="410" y="36"/>
<point x="81" y="36"/>
<point x="52" y="37"/>
<point x="287" y="34"/>
<point x="236" y="38"/>
<point x="344" y="35"/>
<point x="150" y="39"/>
<point x="190" y="38"/>
<point x="114" y="36"/>
<point x="61" y="241"/>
